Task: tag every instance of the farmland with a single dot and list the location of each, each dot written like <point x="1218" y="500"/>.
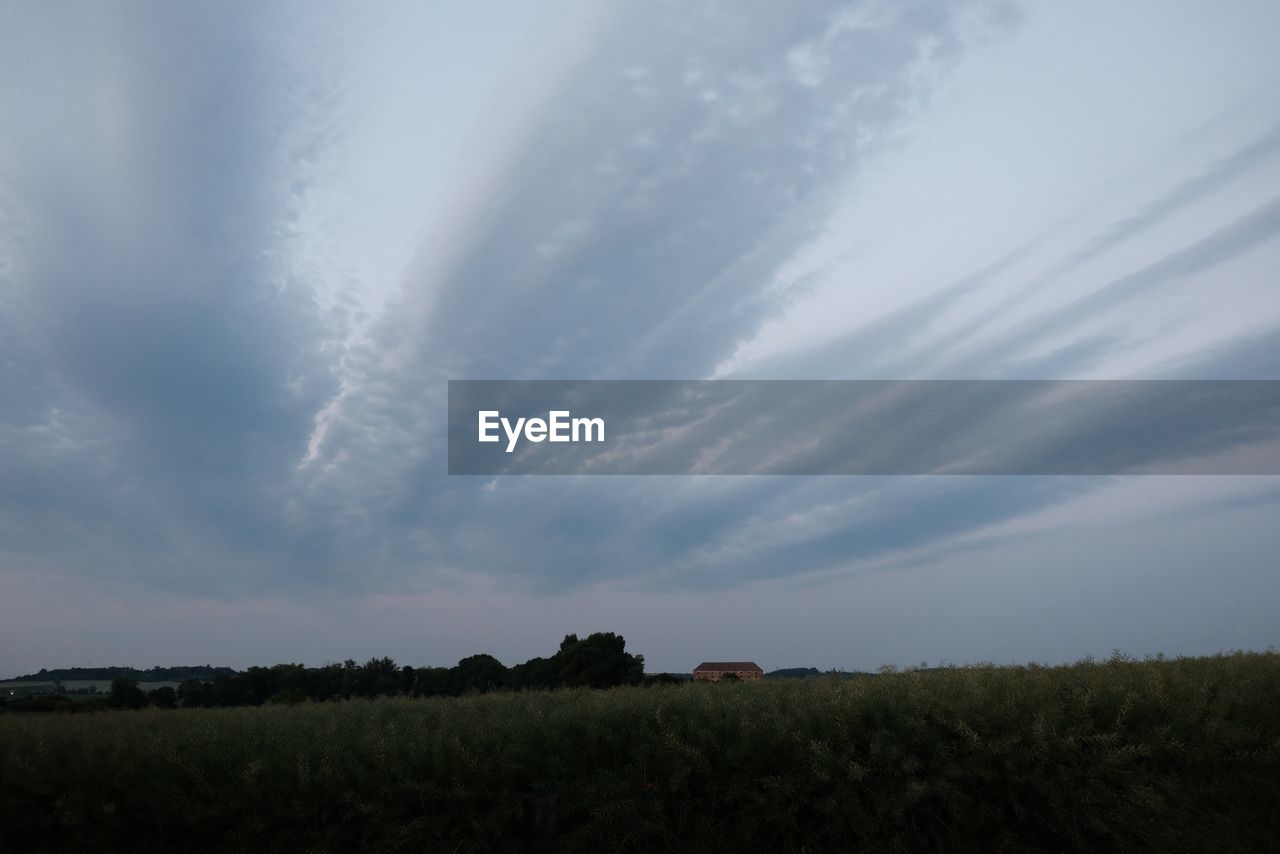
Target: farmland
<point x="1156" y="755"/>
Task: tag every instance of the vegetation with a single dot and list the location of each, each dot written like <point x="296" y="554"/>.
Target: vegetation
<point x="598" y="661"/>
<point x="792" y="673"/>
<point x="96" y="674"/>
<point x="1176" y="755"/>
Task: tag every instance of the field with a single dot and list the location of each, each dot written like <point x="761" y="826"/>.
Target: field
<point x="1158" y="755"/>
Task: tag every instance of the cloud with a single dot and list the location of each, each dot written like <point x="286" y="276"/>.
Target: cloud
<point x="635" y="235"/>
<point x="185" y="408"/>
<point x="1248" y="232"/>
<point x="167" y="369"/>
<point x="886" y="349"/>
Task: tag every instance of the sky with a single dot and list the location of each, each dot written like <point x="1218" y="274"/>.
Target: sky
<point x="244" y="247"/>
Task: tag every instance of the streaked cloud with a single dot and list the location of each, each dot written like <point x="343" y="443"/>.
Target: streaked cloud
<point x="242" y="249"/>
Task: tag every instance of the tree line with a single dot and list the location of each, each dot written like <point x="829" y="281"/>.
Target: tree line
<point x="599" y="660"/>
<point x="151" y="674"/>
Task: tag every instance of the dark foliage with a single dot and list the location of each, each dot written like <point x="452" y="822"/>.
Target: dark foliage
<point x="792" y="673"/>
<point x="125" y="694"/>
<point x="163" y="697"/>
<point x="99" y="674"/>
<point x="597" y="661"/>
<point x="1154" y="756"/>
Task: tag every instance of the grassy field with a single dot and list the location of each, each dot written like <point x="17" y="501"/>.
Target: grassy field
<point x="1178" y="755"/>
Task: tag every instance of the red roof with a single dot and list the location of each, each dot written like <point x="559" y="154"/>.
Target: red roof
<point x="728" y="665"/>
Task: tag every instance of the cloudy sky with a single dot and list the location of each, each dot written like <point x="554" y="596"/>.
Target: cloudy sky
<point x="243" y="247"/>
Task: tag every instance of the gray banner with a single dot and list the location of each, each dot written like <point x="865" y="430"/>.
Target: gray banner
<point x="1083" y="427"/>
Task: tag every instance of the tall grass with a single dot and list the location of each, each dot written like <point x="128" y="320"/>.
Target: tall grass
<point x="1178" y="755"/>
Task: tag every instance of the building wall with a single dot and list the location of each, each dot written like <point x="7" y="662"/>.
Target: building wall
<point x="714" y="675"/>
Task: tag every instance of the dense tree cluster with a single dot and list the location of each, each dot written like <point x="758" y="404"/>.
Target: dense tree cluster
<point x="598" y="661"/>
<point x="125" y="694"/>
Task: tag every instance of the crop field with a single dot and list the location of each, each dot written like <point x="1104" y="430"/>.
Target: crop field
<point x="1156" y="755"/>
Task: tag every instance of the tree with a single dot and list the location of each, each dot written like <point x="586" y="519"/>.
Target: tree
<point x="477" y="673"/>
<point x="599" y="661"/>
<point x="191" y="693"/>
<point x="125" y="694"/>
<point x="536" y="673"/>
<point x="378" y="676"/>
<point x="229" y="691"/>
<point x="163" y="697"/>
<point x="432" y="681"/>
<point x="287" y="697"/>
<point x="408" y="676"/>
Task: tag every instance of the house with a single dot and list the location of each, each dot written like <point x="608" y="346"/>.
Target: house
<point x="714" y="671"/>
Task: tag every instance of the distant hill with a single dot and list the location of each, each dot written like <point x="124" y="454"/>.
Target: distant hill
<point x="154" y="674"/>
<point x="806" y="672"/>
<point x="792" y="673"/>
